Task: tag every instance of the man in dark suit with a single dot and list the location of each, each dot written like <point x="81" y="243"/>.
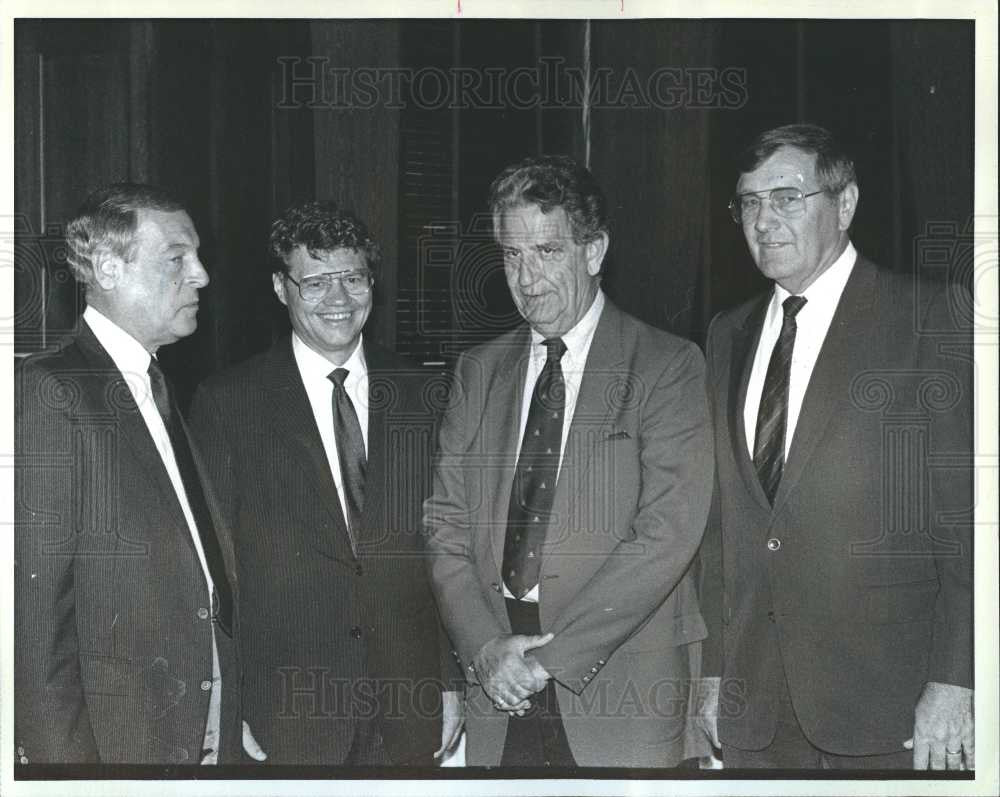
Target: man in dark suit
<point x="322" y="446"/>
<point x="124" y="580"/>
<point x="569" y="500"/>
<point x="841" y="621"/>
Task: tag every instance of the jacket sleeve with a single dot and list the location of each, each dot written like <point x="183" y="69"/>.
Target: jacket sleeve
<point x="51" y="720"/>
<point x="946" y="360"/>
<point x="452" y="541"/>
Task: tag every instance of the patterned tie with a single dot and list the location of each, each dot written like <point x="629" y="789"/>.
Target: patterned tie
<point x="535" y="476"/>
<point x="350" y="450"/>
<point x="772" y="416"/>
<point x="167" y="407"/>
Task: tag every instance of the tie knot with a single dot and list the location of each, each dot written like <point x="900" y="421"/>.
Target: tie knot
<point x="555" y="349"/>
<point x="154" y="370"/>
<point x="337" y="376"/>
<point x="792" y="305"/>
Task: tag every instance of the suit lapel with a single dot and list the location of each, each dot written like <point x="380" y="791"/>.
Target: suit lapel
<point x="604" y="387"/>
<point x="501" y="443"/>
<point x="379" y="373"/>
<point x="828" y="392"/>
<point x="129" y="426"/>
<point x="744" y="350"/>
<point x="295" y="426"/>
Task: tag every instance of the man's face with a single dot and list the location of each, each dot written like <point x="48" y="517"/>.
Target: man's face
<point x="552" y="279"/>
<point x="330" y="326"/>
<point x="795" y="251"/>
<point x="155" y="296"/>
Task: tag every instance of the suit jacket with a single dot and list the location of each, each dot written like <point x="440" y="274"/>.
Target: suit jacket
<point x="630" y="507"/>
<point x="330" y="634"/>
<point x="113" y="635"/>
<point x="859" y="577"/>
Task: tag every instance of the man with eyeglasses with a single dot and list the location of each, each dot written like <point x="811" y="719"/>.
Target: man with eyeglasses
<point x="837" y="564"/>
<point x="321" y="447"/>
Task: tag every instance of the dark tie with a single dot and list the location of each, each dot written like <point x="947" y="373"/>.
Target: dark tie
<point x="350" y="450"/>
<point x="535" y="476"/>
<point x="167" y="407"/>
<point x="772" y="416"/>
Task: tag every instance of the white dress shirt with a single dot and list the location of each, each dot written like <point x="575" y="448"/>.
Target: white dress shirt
<point x="315" y="370"/>
<point x="812" y="323"/>
<point x="132" y="360"/>
<point x="573" y="363"/>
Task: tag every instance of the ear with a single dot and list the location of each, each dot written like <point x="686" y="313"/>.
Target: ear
<point x="108" y="269"/>
<point x="278" y="281"/>
<point x="847" y="203"/>
<point x="596" y="250"/>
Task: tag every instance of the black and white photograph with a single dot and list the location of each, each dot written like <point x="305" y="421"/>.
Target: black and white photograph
<point x="457" y="399"/>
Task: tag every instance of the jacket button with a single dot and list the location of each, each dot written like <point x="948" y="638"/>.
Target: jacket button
<point x="206" y="685"/>
<point x="356" y="633"/>
<point x="202" y="613"/>
<point x="359" y="571"/>
<point x="770" y="616"/>
<point x="773" y="544"/>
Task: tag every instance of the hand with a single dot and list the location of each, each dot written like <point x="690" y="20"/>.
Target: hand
<point x="452" y="720"/>
<point x="507" y="676"/>
<point x="250" y="746"/>
<point x="944" y="728"/>
<point x="706" y="708"/>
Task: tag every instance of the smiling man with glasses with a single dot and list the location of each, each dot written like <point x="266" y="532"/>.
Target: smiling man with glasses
<point x="321" y="449"/>
<point x="837" y="563"/>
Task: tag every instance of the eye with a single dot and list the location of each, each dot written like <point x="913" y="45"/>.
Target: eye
<point x="750" y="203"/>
<point x="353" y="280"/>
<point x="313" y="283"/>
<point x="509" y="253"/>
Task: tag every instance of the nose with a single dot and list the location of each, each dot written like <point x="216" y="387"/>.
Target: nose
<point x="766" y="217"/>
<point x="527" y="273"/>
<point x="197" y="275"/>
<point x="336" y="294"/>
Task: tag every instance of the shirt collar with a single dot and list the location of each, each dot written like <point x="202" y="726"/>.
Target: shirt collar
<point x="128" y="354"/>
<point x="314" y="365"/>
<point x="579" y="336"/>
<point x="827" y="287"/>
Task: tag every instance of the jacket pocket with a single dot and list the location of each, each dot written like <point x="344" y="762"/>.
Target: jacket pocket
<point x="906" y="602"/>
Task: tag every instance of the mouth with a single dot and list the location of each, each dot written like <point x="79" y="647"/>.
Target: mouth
<point x="333" y="318"/>
<point x="771" y="244"/>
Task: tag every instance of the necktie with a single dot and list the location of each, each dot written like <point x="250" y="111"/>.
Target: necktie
<point x="350" y="449"/>
<point x="772" y="416"/>
<point x="535" y="476"/>
<point x="167" y="407"/>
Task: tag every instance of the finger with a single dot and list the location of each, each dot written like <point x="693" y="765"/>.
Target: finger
<point x="920" y="754"/>
<point x="908" y="744"/>
<point x="531" y="642"/>
<point x="969" y="745"/>
<point x="953" y="760"/>
<point x="937" y="756"/>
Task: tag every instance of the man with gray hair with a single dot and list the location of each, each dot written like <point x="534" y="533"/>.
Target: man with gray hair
<point x="125" y="618"/>
<point x="838" y="558"/>
<point x="569" y="499"/>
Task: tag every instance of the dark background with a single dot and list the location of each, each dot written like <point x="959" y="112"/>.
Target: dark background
<point x="240" y="118"/>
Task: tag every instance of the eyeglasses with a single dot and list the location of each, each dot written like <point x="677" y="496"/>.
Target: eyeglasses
<point x="787" y="202"/>
<point x="316" y="286"/>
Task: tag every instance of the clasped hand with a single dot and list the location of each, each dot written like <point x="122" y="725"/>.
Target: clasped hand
<point x="508" y="674"/>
